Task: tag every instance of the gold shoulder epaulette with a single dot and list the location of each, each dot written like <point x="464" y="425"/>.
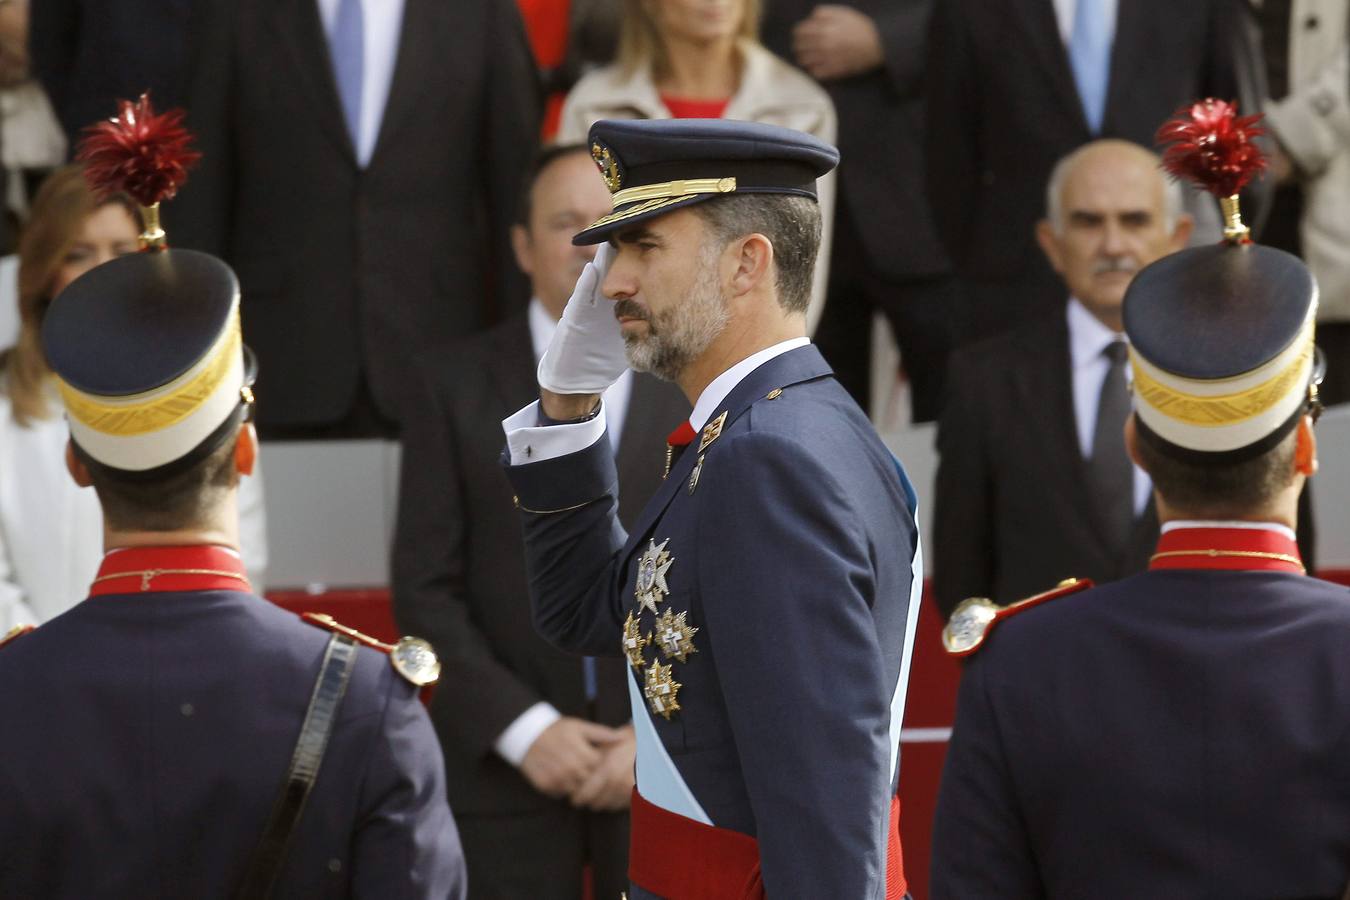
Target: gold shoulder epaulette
<point x="975" y="617"/>
<point x="17" y="631"/>
<point x="412" y="658"/>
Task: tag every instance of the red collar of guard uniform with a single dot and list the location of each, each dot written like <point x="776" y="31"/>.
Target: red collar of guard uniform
<point x="1233" y="549"/>
<point x="202" y="567"/>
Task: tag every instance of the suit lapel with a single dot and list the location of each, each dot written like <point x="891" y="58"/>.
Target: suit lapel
<point x="513" y="365"/>
<point x="1039" y="23"/>
<point x="793" y="367"/>
<point x="300" y="25"/>
<point x="1133" y="23"/>
<point x="650" y="418"/>
<point x="417" y="48"/>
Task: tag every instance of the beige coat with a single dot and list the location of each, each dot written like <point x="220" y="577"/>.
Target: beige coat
<point x="1313" y="126"/>
<point x="771" y="92"/>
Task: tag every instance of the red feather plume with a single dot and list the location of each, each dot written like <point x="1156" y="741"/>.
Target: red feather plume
<point x="1211" y="145"/>
<point x="138" y="152"/>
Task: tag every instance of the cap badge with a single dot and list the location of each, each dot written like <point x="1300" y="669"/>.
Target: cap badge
<point x="651" y="587"/>
<point x="609" y="167"/>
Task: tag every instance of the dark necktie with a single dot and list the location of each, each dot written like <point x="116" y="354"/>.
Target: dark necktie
<point x="1110" y="473"/>
<point x="347" y="44"/>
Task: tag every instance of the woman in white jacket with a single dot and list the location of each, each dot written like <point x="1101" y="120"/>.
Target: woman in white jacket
<point x="703" y="59"/>
<point x="51" y="531"/>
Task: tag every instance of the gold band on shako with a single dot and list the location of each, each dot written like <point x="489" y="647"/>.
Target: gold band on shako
<point x="1225" y="414"/>
<point x="147" y="430"/>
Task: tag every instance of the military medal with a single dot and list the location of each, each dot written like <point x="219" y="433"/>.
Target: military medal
<point x="696" y="474"/>
<point x="651" y="586"/>
<point x="675" y="636"/>
<point x="633" y="642"/>
<point x="711" y="432"/>
<point x="661" y="690"/>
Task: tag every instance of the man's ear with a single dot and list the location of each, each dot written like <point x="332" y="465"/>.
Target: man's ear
<point x="752" y="256"/>
<point x="1305" y="448"/>
<point x="1181" y="233"/>
<point x="522" y="248"/>
<point x="246" y="449"/>
<point x="1132" y="441"/>
<point x="1049" y="241"/>
<point x="78" y="470"/>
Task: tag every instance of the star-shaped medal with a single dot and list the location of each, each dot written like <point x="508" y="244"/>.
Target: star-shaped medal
<point x="633" y="642"/>
<point x="661" y="691"/>
<point x="674" y="636"/>
<point x="651" y="586"/>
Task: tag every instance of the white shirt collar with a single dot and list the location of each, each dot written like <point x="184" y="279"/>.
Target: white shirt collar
<point x="1088" y="337"/>
<point x="718" y="389"/>
<point x="542" y="326"/>
<point x="1276" y="527"/>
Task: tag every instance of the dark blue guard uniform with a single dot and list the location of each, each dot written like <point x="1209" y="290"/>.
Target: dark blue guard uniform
<point x="1184" y="733"/>
<point x="149" y="730"/>
<point x="765" y="598"/>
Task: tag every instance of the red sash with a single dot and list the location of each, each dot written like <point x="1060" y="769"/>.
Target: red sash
<point x="203" y="567"/>
<point x="1233" y="549"/>
<point x="680" y="859"/>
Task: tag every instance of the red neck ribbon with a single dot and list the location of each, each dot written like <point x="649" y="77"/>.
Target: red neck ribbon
<point x="1233" y="549"/>
<point x="682" y="436"/>
<point x="136" y="570"/>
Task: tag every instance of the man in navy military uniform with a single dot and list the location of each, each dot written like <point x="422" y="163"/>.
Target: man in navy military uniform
<point x="1184" y="732"/>
<point x="766" y="596"/>
<point x="149" y="730"/>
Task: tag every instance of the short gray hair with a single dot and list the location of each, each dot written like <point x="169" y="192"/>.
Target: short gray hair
<point x="792" y="224"/>
<point x="1054" y="189"/>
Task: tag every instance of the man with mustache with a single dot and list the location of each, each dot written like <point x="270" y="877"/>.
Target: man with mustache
<point x="1034" y="485"/>
<point x="765" y="598"/>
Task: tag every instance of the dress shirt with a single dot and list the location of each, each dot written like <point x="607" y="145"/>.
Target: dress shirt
<point x="1088" y="340"/>
<point x="1064" y="13"/>
<point x="381" y="27"/>
<point x="1276" y="527"/>
<point x="517" y="738"/>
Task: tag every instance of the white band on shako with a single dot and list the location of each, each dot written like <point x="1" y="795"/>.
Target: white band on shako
<point x="152" y="429"/>
<point x="1225" y="414"/>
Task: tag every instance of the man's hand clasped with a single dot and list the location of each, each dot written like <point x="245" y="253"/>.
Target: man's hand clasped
<point x="588" y="764"/>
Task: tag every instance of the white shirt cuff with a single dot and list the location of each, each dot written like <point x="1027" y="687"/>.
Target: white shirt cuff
<point x="521" y="734"/>
<point x="528" y="441"/>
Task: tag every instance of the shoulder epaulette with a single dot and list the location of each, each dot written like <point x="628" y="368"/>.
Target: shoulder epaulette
<point x="16" y="632"/>
<point x="412" y="658"/>
<point x="975" y="617"/>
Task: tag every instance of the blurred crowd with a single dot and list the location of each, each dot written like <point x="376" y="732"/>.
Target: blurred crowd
<point x="373" y="172"/>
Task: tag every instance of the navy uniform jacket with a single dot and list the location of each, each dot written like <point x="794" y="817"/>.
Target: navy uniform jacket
<point x="146" y="737"/>
<point x="793" y="559"/>
<point x="1179" y="734"/>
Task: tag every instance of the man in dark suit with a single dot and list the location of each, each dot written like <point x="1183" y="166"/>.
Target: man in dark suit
<point x="1186" y="729"/>
<point x="1014" y="85"/>
<point x="765" y="598"/>
<point x="870" y="56"/>
<point x="88" y="54"/>
<point x="389" y="137"/>
<point x="536" y="744"/>
<point x="1025" y="495"/>
<point x="181" y="736"/>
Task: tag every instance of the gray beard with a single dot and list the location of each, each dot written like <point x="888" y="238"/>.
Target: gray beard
<point x="681" y="334"/>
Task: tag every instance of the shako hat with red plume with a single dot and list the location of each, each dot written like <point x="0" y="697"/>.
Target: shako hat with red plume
<point x="1221" y="337"/>
<point x="147" y="348"/>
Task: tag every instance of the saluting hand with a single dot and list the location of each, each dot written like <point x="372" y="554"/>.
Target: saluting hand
<point x="610" y="787"/>
<point x="837" y="42"/>
<point x="565" y="755"/>
<point x="586" y="354"/>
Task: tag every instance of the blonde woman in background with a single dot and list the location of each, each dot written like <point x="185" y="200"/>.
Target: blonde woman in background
<point x="51" y="531"/>
<point x="702" y="59"/>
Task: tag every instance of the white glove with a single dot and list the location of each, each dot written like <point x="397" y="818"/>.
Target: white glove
<point x="586" y="354"/>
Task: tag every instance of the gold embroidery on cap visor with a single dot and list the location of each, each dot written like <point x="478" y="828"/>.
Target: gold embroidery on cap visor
<point x="1223" y="409"/>
<point x="164" y="406"/>
<point x="651" y="197"/>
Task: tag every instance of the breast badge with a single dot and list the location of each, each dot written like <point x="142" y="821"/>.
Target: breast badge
<point x="634" y="641"/>
<point x="651" y="586"/>
<point x="661" y="690"/>
<point x="675" y="636"/>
